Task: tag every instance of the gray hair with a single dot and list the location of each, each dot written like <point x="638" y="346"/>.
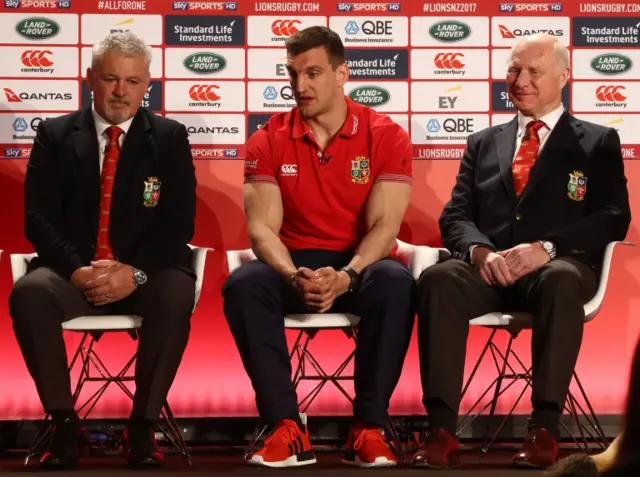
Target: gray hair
<point x="559" y="50"/>
<point x="125" y="43"/>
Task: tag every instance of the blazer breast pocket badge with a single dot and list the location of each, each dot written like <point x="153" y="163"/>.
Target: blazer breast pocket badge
<point x="151" y="194"/>
<point x="577" y="186"/>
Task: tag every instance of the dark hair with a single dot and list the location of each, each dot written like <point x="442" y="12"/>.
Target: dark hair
<point x="314" y="37"/>
<point x="630" y="442"/>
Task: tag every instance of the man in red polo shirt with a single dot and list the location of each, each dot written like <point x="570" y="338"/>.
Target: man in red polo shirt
<point x="326" y="187"/>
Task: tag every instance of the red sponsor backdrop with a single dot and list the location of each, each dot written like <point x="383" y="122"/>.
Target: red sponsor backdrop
<point x="211" y="381"/>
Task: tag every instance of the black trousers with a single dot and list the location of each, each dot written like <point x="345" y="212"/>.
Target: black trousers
<point x="452" y="292"/>
<point x="256" y="298"/>
<point x="42" y="300"/>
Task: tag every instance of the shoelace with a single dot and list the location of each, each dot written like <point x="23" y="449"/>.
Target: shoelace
<point x="368" y="434"/>
<point x="283" y="434"/>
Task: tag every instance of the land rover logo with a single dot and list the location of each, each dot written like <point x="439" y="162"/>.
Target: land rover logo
<point x="611" y="63"/>
<point x="205" y="63"/>
<point x="370" y="96"/>
<point x="450" y="31"/>
<point x="37" y="28"/>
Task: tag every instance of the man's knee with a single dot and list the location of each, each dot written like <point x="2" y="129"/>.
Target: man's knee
<point x="443" y="275"/>
<point x="388" y="279"/>
<point x="560" y="279"/>
<point x="248" y="280"/>
<point x="172" y="295"/>
<point x="32" y="292"/>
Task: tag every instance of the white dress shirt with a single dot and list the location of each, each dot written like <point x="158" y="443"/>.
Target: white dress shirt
<point x="550" y="120"/>
<point x="101" y="127"/>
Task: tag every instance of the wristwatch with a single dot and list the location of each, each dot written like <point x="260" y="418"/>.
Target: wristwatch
<point x="139" y="277"/>
<point x="353" y="278"/>
<point x="549" y="247"/>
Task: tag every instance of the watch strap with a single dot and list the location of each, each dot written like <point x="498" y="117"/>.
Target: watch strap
<point x="353" y="276"/>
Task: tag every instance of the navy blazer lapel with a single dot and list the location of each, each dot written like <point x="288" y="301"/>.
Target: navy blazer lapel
<point x="561" y="143"/>
<point x="85" y="143"/>
<point x="505" y="146"/>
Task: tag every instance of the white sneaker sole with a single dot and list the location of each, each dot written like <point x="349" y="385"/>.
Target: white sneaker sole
<point x="379" y="462"/>
<point x="288" y="462"/>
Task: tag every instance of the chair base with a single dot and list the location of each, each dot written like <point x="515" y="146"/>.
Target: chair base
<point x="511" y="368"/>
<point x="90" y="363"/>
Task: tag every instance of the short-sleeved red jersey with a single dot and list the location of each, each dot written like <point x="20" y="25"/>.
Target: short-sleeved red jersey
<point x="324" y="194"/>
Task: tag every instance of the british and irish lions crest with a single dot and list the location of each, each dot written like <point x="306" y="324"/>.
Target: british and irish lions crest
<point x="360" y="171"/>
<point x="577" y="185"/>
<point x="151" y="193"/>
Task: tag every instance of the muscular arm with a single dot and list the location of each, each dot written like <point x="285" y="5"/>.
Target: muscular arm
<point x="385" y="210"/>
<point x="263" y="208"/>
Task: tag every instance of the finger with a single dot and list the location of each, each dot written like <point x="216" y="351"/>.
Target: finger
<point x="325" y="272"/>
<point x="97" y="291"/>
<point x="504" y="271"/>
<point x="486" y="277"/>
<point x="103" y="263"/>
<point x="308" y="286"/>
<point x="99" y="300"/>
<point x="318" y="298"/>
<point x="99" y="281"/>
<point x="324" y="306"/>
<point x="497" y="273"/>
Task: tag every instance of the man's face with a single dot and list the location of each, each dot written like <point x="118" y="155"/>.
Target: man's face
<point x="534" y="79"/>
<point x="119" y="84"/>
<point x="316" y="85"/>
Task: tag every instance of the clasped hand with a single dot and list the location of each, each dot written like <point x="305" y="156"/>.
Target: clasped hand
<point x="104" y="281"/>
<point x="506" y="267"/>
<point x="320" y="288"/>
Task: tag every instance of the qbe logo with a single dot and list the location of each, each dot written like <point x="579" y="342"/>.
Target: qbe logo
<point x="50" y="4"/>
<point x="205" y="6"/>
<point x="530" y="7"/>
<point x="371" y="31"/>
<point x="446" y="129"/>
<point x="368" y="7"/>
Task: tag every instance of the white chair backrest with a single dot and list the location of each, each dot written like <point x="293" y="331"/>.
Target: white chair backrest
<point x="198" y="260"/>
<point x="19" y="263"/>
<point x="593" y="306"/>
<point x="235" y="258"/>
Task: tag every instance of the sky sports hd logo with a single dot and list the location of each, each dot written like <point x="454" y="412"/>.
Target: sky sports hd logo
<point x="368" y="7"/>
<point x="203" y="5"/>
<point x="530" y="7"/>
<point x="51" y="4"/>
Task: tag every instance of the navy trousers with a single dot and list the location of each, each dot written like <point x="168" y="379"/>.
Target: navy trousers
<point x="256" y="298"/>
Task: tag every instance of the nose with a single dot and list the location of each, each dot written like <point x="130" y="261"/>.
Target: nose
<point x="300" y="84"/>
<point x="120" y="89"/>
<point x="523" y="80"/>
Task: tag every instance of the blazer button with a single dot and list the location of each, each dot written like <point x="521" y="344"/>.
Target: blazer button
<point x="518" y="217"/>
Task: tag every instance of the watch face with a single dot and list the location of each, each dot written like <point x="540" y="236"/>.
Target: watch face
<point x="140" y="277"/>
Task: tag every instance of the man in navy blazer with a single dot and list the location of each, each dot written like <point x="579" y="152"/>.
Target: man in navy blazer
<point x="110" y="196"/>
<point x="535" y="203"/>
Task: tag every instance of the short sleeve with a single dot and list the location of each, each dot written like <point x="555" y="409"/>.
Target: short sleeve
<point x="258" y="163"/>
<point x="393" y="154"/>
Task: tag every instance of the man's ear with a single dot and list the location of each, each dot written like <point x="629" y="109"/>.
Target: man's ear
<point x="342" y="72"/>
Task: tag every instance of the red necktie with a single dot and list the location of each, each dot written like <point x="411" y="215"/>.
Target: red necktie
<point x="526" y="157"/>
<point x="103" y="250"/>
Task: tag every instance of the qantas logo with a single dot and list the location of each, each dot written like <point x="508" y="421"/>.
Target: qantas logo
<point x="11" y="96"/>
<point x="204" y="92"/>
<point x="448" y="61"/>
<point x="610" y="94"/>
<point x="518" y="32"/>
<point x="36" y="58"/>
<point x="505" y="32"/>
<point x="285" y="27"/>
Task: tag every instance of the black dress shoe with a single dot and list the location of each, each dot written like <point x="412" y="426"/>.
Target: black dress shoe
<point x="64" y="450"/>
<point x="140" y="448"/>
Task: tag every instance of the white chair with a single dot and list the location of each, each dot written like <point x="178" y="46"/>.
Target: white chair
<point x="92" y="329"/>
<point x="309" y="324"/>
<point x="514" y="323"/>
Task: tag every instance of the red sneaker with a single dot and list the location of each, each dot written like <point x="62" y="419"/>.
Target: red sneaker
<point x="286" y="446"/>
<point x="367" y="447"/>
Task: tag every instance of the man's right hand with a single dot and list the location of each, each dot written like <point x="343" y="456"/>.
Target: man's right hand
<point x="492" y="267"/>
<point x="81" y="276"/>
<point x="316" y="290"/>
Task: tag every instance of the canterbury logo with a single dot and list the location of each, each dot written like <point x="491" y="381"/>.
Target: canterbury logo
<point x="289" y="169"/>
<point x="204" y="92"/>
<point x="36" y="58"/>
<point x="449" y="61"/>
<point x="505" y="32"/>
<point x="285" y="27"/>
<point x="610" y="93"/>
<point x="11" y="96"/>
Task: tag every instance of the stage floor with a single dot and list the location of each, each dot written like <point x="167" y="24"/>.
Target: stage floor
<point x="496" y="464"/>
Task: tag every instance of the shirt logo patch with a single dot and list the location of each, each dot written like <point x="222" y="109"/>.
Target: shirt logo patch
<point x="360" y="172"/>
<point x="577" y="186"/>
<point x="289" y="170"/>
<point x="151" y="194"/>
